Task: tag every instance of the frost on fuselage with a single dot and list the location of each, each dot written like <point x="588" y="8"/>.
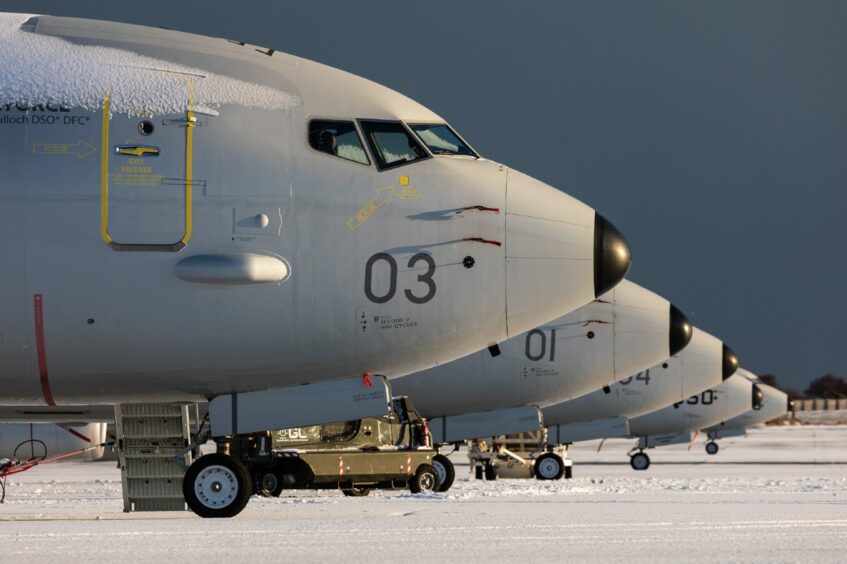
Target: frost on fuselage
<point x="40" y="70"/>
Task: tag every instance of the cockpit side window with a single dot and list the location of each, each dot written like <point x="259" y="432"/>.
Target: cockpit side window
<point x="337" y="138"/>
<point x="440" y="139"/>
<point x="391" y="143"/>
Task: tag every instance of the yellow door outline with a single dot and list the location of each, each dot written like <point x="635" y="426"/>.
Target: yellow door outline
<point x="191" y="121"/>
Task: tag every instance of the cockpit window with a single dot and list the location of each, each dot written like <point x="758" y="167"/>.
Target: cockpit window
<point x="338" y="138"/>
<point x="441" y="140"/>
<point x="391" y="144"/>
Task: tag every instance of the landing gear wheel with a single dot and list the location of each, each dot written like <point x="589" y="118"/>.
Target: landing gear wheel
<point x="356" y="492"/>
<point x="568" y="472"/>
<point x="549" y="466"/>
<point x="477" y="472"/>
<point x="712" y="447"/>
<point x="217" y="485"/>
<point x="446" y="472"/>
<point x="424" y="480"/>
<point x="270" y="482"/>
<point x="490" y="472"/>
<point x="639" y="461"/>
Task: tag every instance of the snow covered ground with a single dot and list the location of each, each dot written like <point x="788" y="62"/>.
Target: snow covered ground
<point x="760" y="498"/>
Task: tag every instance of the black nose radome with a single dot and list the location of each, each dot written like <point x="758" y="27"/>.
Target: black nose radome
<point x="758" y="397"/>
<point x="730" y="362"/>
<point x="611" y="256"/>
<point x="680" y="332"/>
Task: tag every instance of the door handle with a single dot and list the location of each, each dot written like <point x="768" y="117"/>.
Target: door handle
<point x="137" y="150"/>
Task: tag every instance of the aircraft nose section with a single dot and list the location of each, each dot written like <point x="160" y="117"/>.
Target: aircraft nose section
<point x="639" y="325"/>
<point x="680" y="331"/>
<point x="730" y="362"/>
<point x="560" y="255"/>
<point x="612" y="258"/>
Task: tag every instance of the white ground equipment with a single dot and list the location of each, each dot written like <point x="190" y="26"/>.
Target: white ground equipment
<point x="524" y="455"/>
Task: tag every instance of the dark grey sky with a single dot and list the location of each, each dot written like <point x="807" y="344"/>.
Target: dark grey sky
<point x="713" y="134"/>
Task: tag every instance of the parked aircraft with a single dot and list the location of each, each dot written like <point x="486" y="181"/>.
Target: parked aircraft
<point x="497" y="392"/>
<point x="244" y="252"/>
<point x="626" y="330"/>
<point x="703" y="364"/>
<point x="189" y="218"/>
<point x="675" y="423"/>
<point x="775" y="404"/>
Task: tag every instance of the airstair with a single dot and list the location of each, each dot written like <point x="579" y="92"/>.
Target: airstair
<point x="151" y="437"/>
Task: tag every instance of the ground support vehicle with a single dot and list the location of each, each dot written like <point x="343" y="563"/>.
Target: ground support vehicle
<point x="524" y="455"/>
<point x="388" y="452"/>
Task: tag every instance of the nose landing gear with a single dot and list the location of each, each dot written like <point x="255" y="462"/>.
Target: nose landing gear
<point x="712" y="447"/>
<point x="639" y="461"/>
<point x="217" y="485"/>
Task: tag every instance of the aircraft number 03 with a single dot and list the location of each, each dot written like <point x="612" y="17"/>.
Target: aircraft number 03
<point x="425" y="278"/>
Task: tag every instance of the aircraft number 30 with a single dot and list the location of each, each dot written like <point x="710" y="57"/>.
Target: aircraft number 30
<point x="705" y="398"/>
<point x="415" y="298"/>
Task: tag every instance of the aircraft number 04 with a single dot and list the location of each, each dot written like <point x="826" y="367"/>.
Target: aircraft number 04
<point x="643" y="376"/>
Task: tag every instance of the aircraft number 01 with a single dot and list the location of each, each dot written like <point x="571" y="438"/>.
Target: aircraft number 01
<point x="542" y="349"/>
<point x="425" y="278"/>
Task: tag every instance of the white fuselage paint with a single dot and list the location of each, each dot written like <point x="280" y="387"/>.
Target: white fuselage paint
<point x="299" y="232"/>
<point x="696" y="368"/>
<point x="622" y="332"/>
<point x="729" y="399"/>
<point x="774" y="405"/>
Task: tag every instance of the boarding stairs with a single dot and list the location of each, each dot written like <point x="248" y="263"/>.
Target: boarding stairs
<point x="151" y="438"/>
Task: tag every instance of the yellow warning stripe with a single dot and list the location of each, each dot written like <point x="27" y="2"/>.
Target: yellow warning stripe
<point x="104" y="174"/>
<point x="189" y="162"/>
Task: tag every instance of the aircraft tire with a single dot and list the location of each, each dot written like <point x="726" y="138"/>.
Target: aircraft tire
<point x="568" y="472"/>
<point x="639" y="461"/>
<point x="712" y="447"/>
<point x="446" y="472"/>
<point x="549" y="466"/>
<point x="490" y="472"/>
<point x="424" y="480"/>
<point x="217" y="485"/>
<point x="478" y="472"/>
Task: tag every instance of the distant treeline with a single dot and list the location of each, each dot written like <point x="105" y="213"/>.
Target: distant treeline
<point x="827" y="386"/>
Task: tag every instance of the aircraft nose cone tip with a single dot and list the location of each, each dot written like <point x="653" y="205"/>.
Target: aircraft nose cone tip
<point x="730" y="362"/>
<point x="758" y="397"/>
<point x="680" y="330"/>
<point x="611" y="256"/>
